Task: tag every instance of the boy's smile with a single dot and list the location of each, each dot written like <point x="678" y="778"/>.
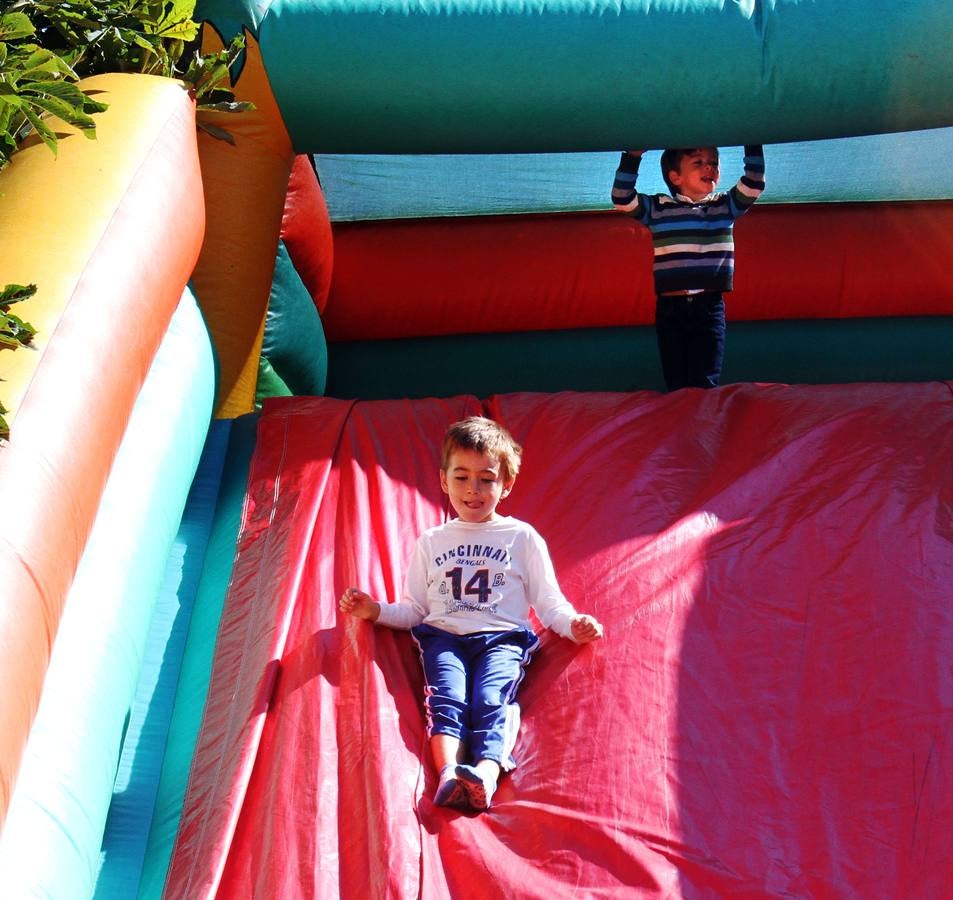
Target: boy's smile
<point x="698" y="173"/>
<point x="474" y="484"/>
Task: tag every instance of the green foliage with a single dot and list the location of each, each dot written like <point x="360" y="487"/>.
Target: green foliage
<point x="153" y="37"/>
<point x="47" y="45"/>
<point x="146" y="36"/>
<point x="14" y="332"/>
<point x="33" y="81"/>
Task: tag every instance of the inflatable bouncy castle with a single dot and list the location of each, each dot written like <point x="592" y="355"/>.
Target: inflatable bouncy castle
<point x="247" y="355"/>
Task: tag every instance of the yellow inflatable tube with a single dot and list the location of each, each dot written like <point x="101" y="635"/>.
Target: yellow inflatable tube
<point x="109" y="231"/>
<point x="245" y="187"/>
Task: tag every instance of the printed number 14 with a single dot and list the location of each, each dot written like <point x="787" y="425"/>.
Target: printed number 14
<point x="478" y="585"/>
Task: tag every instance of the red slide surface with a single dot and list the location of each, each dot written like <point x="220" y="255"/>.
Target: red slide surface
<point x="767" y="715"/>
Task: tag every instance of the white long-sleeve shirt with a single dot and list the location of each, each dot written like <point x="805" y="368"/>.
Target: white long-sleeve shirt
<point x="480" y="576"/>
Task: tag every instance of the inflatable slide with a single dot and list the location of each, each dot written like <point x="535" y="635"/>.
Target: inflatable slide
<point x="247" y="355"/>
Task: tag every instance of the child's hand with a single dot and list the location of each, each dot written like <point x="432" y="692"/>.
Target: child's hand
<point x="355" y="602"/>
<point x="586" y="629"/>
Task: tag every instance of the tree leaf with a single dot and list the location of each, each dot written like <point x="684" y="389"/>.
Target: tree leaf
<point x="94" y="106"/>
<point x="15" y="26"/>
<point x="62" y="90"/>
<point x="14" y="327"/>
<point x="15" y="293"/>
<point x="64" y="111"/>
<point x="181" y="31"/>
<point x="152" y="46"/>
<point x="41" y="128"/>
<point x="229" y="106"/>
<point x="39" y="57"/>
<point x="216" y="132"/>
<point x="8" y="342"/>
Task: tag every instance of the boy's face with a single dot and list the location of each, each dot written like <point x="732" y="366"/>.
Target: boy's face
<point x="474" y="485"/>
<point x="697" y="174"/>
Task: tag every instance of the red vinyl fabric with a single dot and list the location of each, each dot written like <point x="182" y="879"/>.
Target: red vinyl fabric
<point x="768" y="714"/>
<point x="306" y="230"/>
<point x="425" y="277"/>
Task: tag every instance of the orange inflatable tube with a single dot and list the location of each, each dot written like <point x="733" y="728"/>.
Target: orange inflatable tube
<point x="109" y="230"/>
<point x="245" y="185"/>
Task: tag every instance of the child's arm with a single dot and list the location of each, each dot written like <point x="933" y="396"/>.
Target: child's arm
<point x="586" y="628"/>
<point x="357" y="603"/>
<point x="410" y="611"/>
<point x="751" y="183"/>
<point x="624" y="196"/>
<point x="403" y="615"/>
<point x="551" y="605"/>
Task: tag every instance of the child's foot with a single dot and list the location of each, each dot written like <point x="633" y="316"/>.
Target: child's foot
<point x="478" y="790"/>
<point x="449" y="791"/>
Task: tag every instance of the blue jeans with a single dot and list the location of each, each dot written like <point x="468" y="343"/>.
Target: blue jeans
<point x="470" y="687"/>
<point x="691" y="339"/>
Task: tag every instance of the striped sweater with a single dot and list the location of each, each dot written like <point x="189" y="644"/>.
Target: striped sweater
<point x="693" y="242"/>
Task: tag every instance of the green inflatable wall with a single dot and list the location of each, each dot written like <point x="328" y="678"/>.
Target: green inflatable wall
<point x="469" y="76"/>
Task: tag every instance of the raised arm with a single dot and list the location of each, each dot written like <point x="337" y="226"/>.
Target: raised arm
<point x="624" y="196"/>
<point x="751" y="183"/>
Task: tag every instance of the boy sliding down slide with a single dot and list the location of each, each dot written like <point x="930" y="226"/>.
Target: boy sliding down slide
<point x="469" y="589"/>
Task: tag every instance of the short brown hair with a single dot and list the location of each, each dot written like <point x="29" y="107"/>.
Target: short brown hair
<point x="484" y="436"/>
<point x="672" y="159"/>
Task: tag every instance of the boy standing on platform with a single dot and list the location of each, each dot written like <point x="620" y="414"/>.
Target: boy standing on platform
<point x="692" y="238"/>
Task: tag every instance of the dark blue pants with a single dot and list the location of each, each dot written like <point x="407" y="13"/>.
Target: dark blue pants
<point x="470" y="687"/>
<point x="691" y="339"/>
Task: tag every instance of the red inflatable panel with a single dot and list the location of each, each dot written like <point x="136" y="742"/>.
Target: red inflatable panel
<point x="420" y="277"/>
<point x="768" y="714"/>
<point x="306" y="231"/>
